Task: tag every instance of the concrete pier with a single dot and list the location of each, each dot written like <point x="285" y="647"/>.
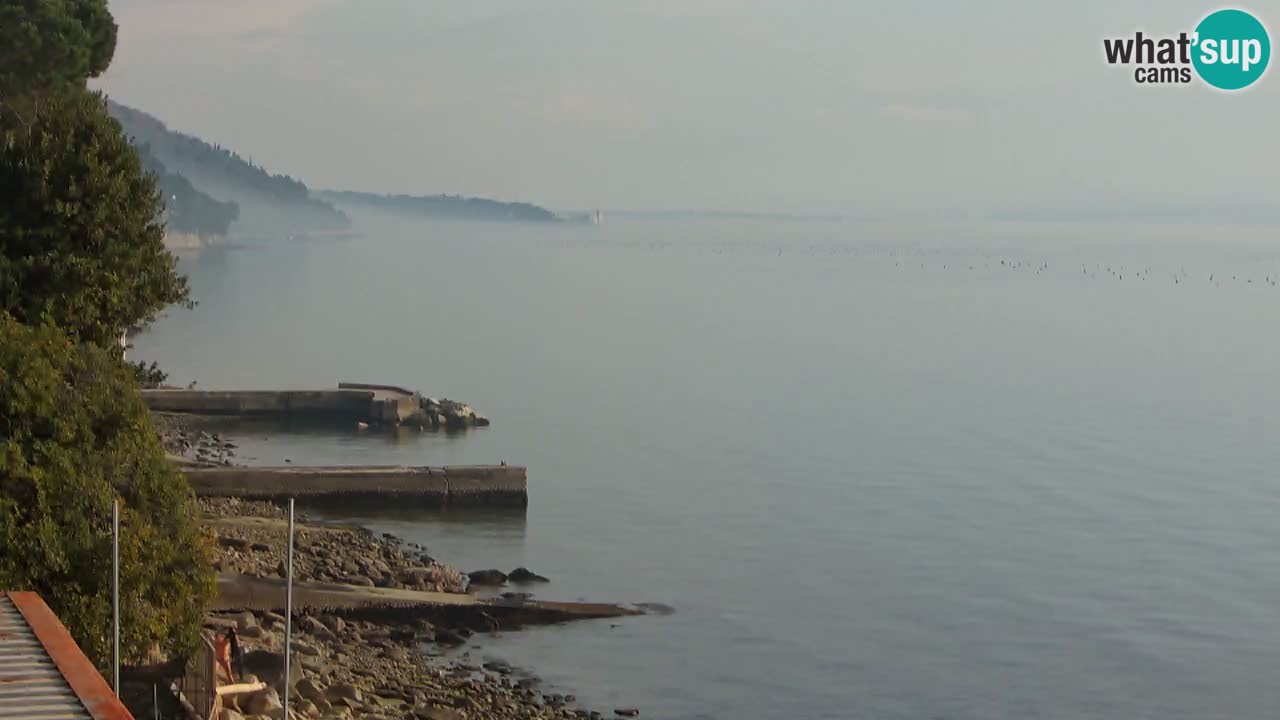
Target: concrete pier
<point x="455" y="484"/>
<point x="368" y="404"/>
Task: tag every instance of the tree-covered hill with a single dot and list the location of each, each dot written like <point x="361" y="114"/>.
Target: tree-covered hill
<point x="264" y="199"/>
<point x="448" y="207"/>
<point x="186" y="209"/>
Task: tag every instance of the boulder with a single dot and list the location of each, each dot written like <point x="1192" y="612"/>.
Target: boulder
<point x="396" y="654"/>
<point x="229" y="714"/>
<point x="245" y="620"/>
<point x="313" y="626"/>
<point x="524" y="575"/>
<point x="304" y="648"/>
<point x="487" y="577"/>
<point x="344" y="691"/>
<point x="267" y="665"/>
<point x="261" y="702"/>
<point x="309" y="690"/>
<point x="336" y="624"/>
<point x="216" y="622"/>
<point x="234" y="543"/>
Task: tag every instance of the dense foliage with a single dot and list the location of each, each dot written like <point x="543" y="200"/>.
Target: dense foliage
<point x="148" y="376"/>
<point x="75" y="435"/>
<point x="81" y="243"/>
<point x="82" y="259"/>
<point x="44" y="43"/>
<point x="451" y="207"/>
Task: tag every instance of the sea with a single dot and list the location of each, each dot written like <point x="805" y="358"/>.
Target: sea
<point x="886" y="470"/>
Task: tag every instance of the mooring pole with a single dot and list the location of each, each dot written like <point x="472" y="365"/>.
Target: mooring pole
<point x="115" y="596"/>
<point x="288" y="610"/>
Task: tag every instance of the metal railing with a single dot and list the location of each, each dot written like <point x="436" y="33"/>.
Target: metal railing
<point x="200" y="682"/>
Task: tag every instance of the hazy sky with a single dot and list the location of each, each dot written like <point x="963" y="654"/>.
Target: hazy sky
<point x="791" y="106"/>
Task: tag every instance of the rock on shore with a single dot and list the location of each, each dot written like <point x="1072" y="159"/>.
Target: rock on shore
<point x="445" y="413"/>
<point x="348" y="668"/>
<point x="182" y="439"/>
<point x="252" y="539"/>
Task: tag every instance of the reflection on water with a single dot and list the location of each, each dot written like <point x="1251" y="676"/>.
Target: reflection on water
<point x="988" y="471"/>
<point x="273" y="441"/>
<point x="265" y="427"/>
<point x="507" y="523"/>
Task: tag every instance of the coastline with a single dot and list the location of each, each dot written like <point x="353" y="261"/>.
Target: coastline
<point x="369" y="665"/>
<point x="374" y="660"/>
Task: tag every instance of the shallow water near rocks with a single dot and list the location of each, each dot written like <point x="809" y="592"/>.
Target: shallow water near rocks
<point x="877" y="470"/>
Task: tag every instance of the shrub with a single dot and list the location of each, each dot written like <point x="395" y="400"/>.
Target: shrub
<point x="74" y="435"/>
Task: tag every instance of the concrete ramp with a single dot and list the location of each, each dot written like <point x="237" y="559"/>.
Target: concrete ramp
<point x="243" y="592"/>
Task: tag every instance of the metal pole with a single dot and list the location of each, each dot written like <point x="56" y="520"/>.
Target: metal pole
<point x="288" y="610"/>
<point x="115" y="596"/>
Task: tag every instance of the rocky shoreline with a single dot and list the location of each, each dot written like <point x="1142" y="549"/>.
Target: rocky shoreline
<point x="251" y="540"/>
<point x="185" y="441"/>
<point x="351" y="668"/>
<point x="349" y="665"/>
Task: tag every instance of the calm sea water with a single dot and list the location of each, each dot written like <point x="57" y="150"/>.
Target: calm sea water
<point x="879" y="471"/>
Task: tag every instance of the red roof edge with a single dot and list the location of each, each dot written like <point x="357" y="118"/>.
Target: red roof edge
<point x="85" y="680"/>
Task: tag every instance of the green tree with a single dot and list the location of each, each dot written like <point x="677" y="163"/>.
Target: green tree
<point x="74" y="435"/>
<point x="44" y="43"/>
<point x="81" y="243"/>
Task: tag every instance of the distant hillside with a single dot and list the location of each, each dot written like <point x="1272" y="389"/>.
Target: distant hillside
<point x="266" y="201"/>
<point x="447" y="207"/>
<point x="187" y="210"/>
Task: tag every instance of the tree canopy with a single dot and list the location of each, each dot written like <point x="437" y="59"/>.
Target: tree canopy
<point x="81" y="259"/>
<point x="76" y="435"/>
<point x="81" y="241"/>
<point x="45" y="43"/>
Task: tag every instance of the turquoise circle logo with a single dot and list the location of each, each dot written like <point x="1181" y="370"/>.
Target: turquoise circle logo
<point x="1232" y="49"/>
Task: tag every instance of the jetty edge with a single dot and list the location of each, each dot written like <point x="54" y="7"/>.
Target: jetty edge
<point x="352" y="403"/>
<point x="505" y="485"/>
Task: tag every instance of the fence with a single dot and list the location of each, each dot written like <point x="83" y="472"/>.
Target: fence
<point x="199" y="684"/>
